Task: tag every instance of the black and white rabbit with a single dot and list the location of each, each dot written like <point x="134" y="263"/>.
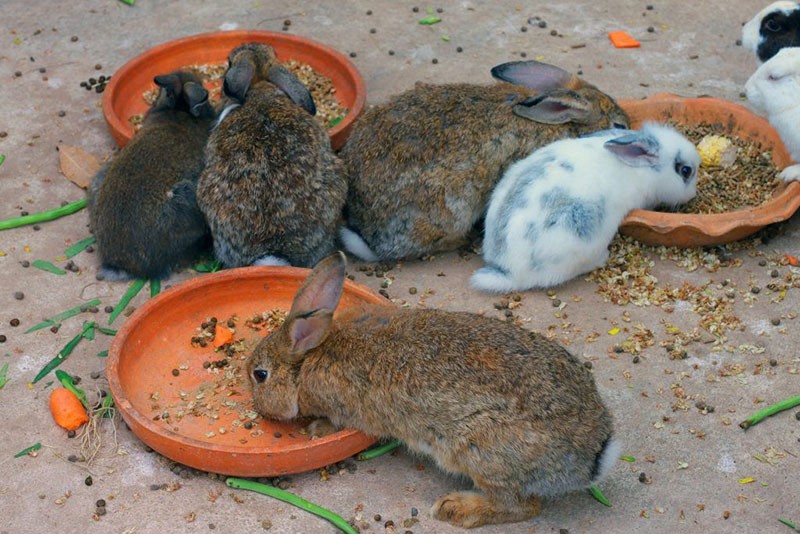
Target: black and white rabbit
<point x="775" y="27"/>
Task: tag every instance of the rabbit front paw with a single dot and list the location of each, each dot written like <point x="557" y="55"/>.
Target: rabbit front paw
<point x="790" y="173"/>
<point x="320" y="427"/>
<point x="469" y="509"/>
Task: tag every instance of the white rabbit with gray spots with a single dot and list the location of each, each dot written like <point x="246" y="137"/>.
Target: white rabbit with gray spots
<point x="554" y="213"/>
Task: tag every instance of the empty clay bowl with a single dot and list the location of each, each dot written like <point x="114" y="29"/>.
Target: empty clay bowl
<point x="693" y="230"/>
<point x="123" y="99"/>
<point x="156" y="341"/>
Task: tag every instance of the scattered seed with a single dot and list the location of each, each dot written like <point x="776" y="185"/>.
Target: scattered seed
<point x="101" y="503"/>
<point x="414" y="512"/>
<point x="415" y="9"/>
<point x="643" y="477"/>
<point x="352" y="54"/>
<point x="74" y="38"/>
<point x="762" y="263"/>
<point x="553" y="32"/>
<point x="36" y="227"/>
<point x="378" y="516"/>
<point x="277" y="434"/>
<point x="94" y="375"/>
<point x="523" y="29"/>
<point x="439" y="10"/>
<point x="636" y="359"/>
<point x="542" y="24"/>
<point x="369" y="12"/>
<point x="391" y="52"/>
<point x="14" y="322"/>
<point x="556" y="303"/>
<point x="18" y="73"/>
<point x="72" y="458"/>
<point x="71" y="434"/>
<point x="108" y="309"/>
<point x="797" y="415"/>
<point x="19" y="295"/>
<point x="523" y="54"/>
<point x="88" y="480"/>
<point x="98" y="66"/>
<point x="588" y="364"/>
<point x="434" y="61"/>
<point x="175" y="372"/>
<point x="649" y="7"/>
<point x="755" y="290"/>
<point x="650" y="29"/>
<point x="100" y="510"/>
<point x="459" y="49"/>
<point x="287" y="22"/>
<point x="388" y="524"/>
<point x="726" y="514"/>
<point x="738" y="42"/>
<point x="773" y="362"/>
<point x="25" y="263"/>
<point x="775" y="321"/>
<point x="372" y="30"/>
<point x="62" y="113"/>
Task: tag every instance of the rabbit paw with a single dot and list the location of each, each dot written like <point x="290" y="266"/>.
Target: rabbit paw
<point x="320" y="427"/>
<point x="469" y="509"/>
<point x="790" y="173"/>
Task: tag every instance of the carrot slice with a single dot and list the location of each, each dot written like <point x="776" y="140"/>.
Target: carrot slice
<point x="792" y="260"/>
<point x="221" y="336"/>
<point x="622" y="39"/>
<point x="67" y="409"/>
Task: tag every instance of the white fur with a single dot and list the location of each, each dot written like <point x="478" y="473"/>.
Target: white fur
<point x="356" y="245"/>
<point x="271" y="261"/>
<point x="554" y="213"/>
<point x="608" y="459"/>
<point x="774" y="91"/>
<point x="228" y="109"/>
<point x="751" y="35"/>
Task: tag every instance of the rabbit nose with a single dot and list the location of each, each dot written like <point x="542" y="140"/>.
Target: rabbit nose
<point x="260" y="375"/>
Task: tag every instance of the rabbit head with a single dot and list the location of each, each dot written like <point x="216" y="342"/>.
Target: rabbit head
<point x="775" y="87"/>
<point x="672" y="158"/>
<point x="775" y="27"/>
<point x="561" y="96"/>
<point x="251" y="63"/>
<point x="273" y="366"/>
<point x="182" y="91"/>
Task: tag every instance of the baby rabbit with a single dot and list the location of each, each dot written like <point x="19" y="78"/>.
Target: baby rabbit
<point x="272" y="189"/>
<point x="142" y="205"/>
<point x="513" y="411"/>
<point x="554" y="213"/>
<point x="774" y="90"/>
<point x="423" y="165"/>
<point x="775" y="27"/>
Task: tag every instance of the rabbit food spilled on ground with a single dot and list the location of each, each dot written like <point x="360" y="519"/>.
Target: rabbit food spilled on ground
<point x="329" y="111"/>
<point x="749" y="181"/>
<point x="215" y="398"/>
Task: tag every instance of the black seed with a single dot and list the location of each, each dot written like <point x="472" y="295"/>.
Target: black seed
<point x="542" y="24"/>
<point x="14" y="322"/>
<point x="175" y="372"/>
<point x="72" y="458"/>
<point x="755" y="290"/>
<point x="415" y="9"/>
<point x="88" y="480"/>
<point x="285" y="28"/>
<point x="100" y="510"/>
<point x="523" y="54"/>
<point x="99" y="277"/>
<point x="19" y="295"/>
<point x="99" y="88"/>
<point x="797" y="415"/>
<point x="25" y="263"/>
<point x="391" y="52"/>
<point x="369" y="12"/>
<point x="101" y="503"/>
<point x="377" y="517"/>
<point x="650" y="29"/>
<point x="76" y="379"/>
<point x="108" y="309"/>
<point x="74" y="38"/>
<point x="459" y="49"/>
<point x="42" y="70"/>
<point x="3" y="134"/>
<point x="738" y="42"/>
<point x="618" y="349"/>
<point x="642" y="477"/>
<point x="553" y="33"/>
<point x="636" y="359"/>
<point x="24" y="213"/>
<point x="3" y="338"/>
<point x="434" y="61"/>
<point x="775" y="321"/>
<point x="649" y="7"/>
<point x="372" y="30"/>
<point x="556" y="303"/>
<point x="414" y="512"/>
<point x="18" y="73"/>
<point x="36" y="227"/>
<point x="277" y="434"/>
<point x="287" y="22"/>
<point x="98" y="66"/>
<point x="101" y="79"/>
<point x="773" y="362"/>
<point x="155" y="487"/>
<point x="54" y="329"/>
<point x="523" y="29"/>
<point x="439" y="10"/>
<point x="762" y="263"/>
<point x="62" y="113"/>
<point x="213" y="320"/>
<point x="353" y="54"/>
<point x="94" y="309"/>
<point x="83" y="84"/>
<point x="588" y="364"/>
<point x="71" y="434"/>
<point x="388" y="524"/>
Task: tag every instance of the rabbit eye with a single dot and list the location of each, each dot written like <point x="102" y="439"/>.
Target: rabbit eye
<point x="773" y="26"/>
<point x="260" y="375"/>
<point x="685" y="171"/>
<point x="620" y="126"/>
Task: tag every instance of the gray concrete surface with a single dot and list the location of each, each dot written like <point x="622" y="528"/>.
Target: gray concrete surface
<point x="694" y="461"/>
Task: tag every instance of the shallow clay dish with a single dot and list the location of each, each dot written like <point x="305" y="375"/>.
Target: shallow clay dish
<point x="122" y="97"/>
<point x="157" y="339"/>
<point x="692" y="230"/>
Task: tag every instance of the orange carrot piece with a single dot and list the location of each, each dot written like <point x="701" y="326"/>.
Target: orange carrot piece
<point x="67" y="409"/>
<point x="222" y="335"/>
<point x="622" y="39"/>
<point x="792" y="260"/>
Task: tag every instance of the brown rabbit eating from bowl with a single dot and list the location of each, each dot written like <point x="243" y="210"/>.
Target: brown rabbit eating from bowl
<point x="516" y="413"/>
<point x="423" y="165"/>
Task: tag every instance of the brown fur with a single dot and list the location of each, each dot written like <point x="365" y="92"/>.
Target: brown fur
<point x="508" y="408"/>
<point x="142" y="206"/>
<point x="423" y="165"/>
<point x="272" y="185"/>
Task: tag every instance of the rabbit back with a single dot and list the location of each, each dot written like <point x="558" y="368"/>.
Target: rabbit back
<point x="143" y="208"/>
<point x="272" y="185"/>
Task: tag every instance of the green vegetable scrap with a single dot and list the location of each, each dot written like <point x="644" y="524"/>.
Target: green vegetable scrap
<point x="43" y="216"/>
<point x="132" y="291"/>
<point x="80" y="246"/>
<point x="4" y="376"/>
<point x="208" y="266"/>
<point x="56" y="319"/>
<point x="597" y="493"/>
<point x="769" y="411"/>
<point x="102" y="354"/>
<point x="380" y="450"/>
<point x="427" y="21"/>
<point x="294" y="500"/>
<point x="629" y="459"/>
<point x="68" y="382"/>
<point x="789" y="524"/>
<point x="27" y="450"/>
<point x="66" y="351"/>
<point x="48" y="267"/>
<point x="155" y="287"/>
<point x="2" y="158"/>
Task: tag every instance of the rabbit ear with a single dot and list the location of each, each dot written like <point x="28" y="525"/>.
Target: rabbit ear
<point x="238" y="79"/>
<point x="557" y="107"/>
<point x="323" y="287"/>
<point x="306" y="332"/>
<point x="287" y="82"/>
<point x="171" y="83"/>
<point x="635" y="149"/>
<point x="534" y="75"/>
<point x="196" y="97"/>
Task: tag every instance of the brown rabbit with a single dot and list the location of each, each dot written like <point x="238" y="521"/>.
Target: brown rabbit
<point x="142" y="205"/>
<point x="423" y="165"/>
<point x="272" y="189"/>
<point x="513" y="411"/>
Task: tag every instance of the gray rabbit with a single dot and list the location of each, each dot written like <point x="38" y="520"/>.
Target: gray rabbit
<point x="272" y="189"/>
<point x="423" y="165"/>
<point x="142" y="205"/>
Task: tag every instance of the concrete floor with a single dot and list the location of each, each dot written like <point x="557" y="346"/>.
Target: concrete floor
<point x="693" y="460"/>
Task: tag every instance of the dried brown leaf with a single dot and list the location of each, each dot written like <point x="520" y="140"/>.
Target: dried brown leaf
<point x="77" y="165"/>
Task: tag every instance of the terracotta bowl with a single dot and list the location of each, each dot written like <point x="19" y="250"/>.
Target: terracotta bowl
<point x="693" y="230"/>
<point x="122" y="97"/>
<point x="157" y="339"/>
